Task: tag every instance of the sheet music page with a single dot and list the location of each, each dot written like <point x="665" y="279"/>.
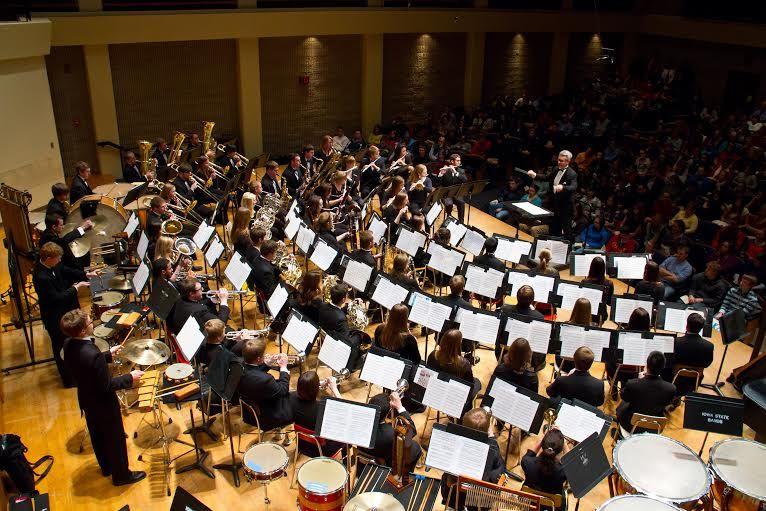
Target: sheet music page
<point x="516" y="329"/>
<point x="457" y="455"/>
<point x="483" y="282"/>
<point x="323" y="255"/>
<point x="334" y="353"/>
<point x="541" y="284"/>
<point x="277" y="300"/>
<point x="442" y="259"/>
<point x="427" y="312"/>
<point x="457" y="231"/>
<point x="293" y="209"/>
<point x="514" y="408"/>
<point x="299" y="333"/>
<point x="662" y="343"/>
<point x="577" y="423"/>
<point x="305" y="238"/>
<point x="190" y="338"/>
<point x="433" y="213"/>
<point x="582" y="263"/>
<point x="675" y="319"/>
<point x="204" y="231"/>
<point x="478" y="327"/>
<point x="624" y="307"/>
<point x="140" y="278"/>
<point x="559" y="250"/>
<point x="538" y="333"/>
<point x="382" y="371"/>
<point x="633" y="348"/>
<point x="531" y="208"/>
<point x="378" y="228"/>
<point x="423" y="375"/>
<point x="237" y="271"/>
<point x="388" y="294"/>
<point x="472" y="242"/>
<point x="574" y="336"/>
<point x="512" y="250"/>
<point x="143" y="246"/>
<point x="348" y="423"/>
<point x="447" y="397"/>
<point x="571" y="292"/>
<point x="410" y="241"/>
<point x="130" y="227"/>
<point x="357" y="275"/>
<point x="214" y="251"/>
<point x="292" y="226"/>
<point x="597" y="341"/>
<point x="630" y="267"/>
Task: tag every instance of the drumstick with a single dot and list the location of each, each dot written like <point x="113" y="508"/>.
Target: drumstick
<point x="415" y="490"/>
<point x="365" y="480"/>
<point x="426" y="494"/>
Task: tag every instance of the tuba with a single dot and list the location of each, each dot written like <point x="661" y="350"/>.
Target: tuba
<point x="175" y="150"/>
<point x="148" y="164"/>
<point x="207" y="137"/>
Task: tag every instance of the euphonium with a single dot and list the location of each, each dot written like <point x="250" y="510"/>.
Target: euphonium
<point x="148" y="164"/>
<point x="207" y="136"/>
<point x="356" y="315"/>
<point x="175" y="150"/>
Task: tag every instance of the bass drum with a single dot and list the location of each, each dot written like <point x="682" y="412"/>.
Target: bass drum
<point x="739" y="474"/>
<point x="108" y="217"/>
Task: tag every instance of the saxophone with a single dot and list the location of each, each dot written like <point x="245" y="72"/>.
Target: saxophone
<point x="284" y="197"/>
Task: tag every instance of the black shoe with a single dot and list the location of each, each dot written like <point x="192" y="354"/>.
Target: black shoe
<point x="134" y="477"/>
<point x="106" y="473"/>
<point x="476" y="360"/>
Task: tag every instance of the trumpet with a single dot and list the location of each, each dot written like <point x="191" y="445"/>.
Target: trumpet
<point x="273" y="360"/>
<point x="213" y="293"/>
<point x="249" y="334"/>
<point x="244" y="160"/>
<point x="401" y="386"/>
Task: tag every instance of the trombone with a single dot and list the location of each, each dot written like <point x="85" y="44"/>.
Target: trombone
<point x="242" y="158"/>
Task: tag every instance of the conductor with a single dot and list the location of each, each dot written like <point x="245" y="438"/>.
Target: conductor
<point x="563" y="185"/>
<point x="97" y="398"/>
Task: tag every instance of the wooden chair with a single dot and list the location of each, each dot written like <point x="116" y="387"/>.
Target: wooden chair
<point x="554" y="501"/>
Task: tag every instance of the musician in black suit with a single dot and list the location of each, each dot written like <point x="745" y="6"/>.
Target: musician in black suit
<point x="332" y="319"/>
<point x="293" y="174"/>
<point x="488" y="259"/>
<point x="58" y="205"/>
<point x="184" y="183"/>
<point x="325" y="228"/>
<point x="310" y="161"/>
<point x="269" y="397"/>
<point x="691" y="350"/>
<point x="80" y="187"/>
<point x="449" y="175"/>
<point x="56" y="286"/>
<point x="97" y="398"/>
<point x="158" y="213"/>
<point x="193" y="149"/>
<point x="373" y="169"/>
<point x="54" y="226"/>
<point x="270" y="180"/>
<point x="648" y="394"/>
<point x="384" y="438"/>
<point x="579" y="384"/>
<point x="364" y="253"/>
<point x="563" y="185"/>
<point x="525" y="297"/>
<point x="265" y="272"/>
<point x="229" y="161"/>
<point x="161" y="153"/>
<point x="191" y="304"/>
<point x="131" y="172"/>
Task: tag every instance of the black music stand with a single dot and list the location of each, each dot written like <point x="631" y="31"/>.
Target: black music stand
<point x="733" y="328"/>
<point x="473" y="188"/>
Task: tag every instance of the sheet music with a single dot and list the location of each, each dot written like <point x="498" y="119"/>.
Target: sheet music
<point x="410" y="241"/>
<point x="630" y="267"/>
<point x="140" y="278"/>
<point x="510" y="406"/>
<point x="214" y="251"/>
<point x="433" y="213"/>
<point x="427" y="312"/>
<point x="559" y="250"/>
<point x="299" y="333"/>
<point x="531" y="209"/>
<point x="378" y="228"/>
<point x="348" y="422"/>
<point x="472" y="242"/>
<point x="457" y="231"/>
<point x="389" y="294"/>
<point x="574" y="336"/>
<point x="479" y="327"/>
<point x="292" y="226"/>
<point x="443" y="259"/>
<point x="277" y="300"/>
<point x="571" y="292"/>
<point x="237" y="271"/>
<point x="334" y="353"/>
<point x="423" y="375"/>
<point x="382" y="371"/>
<point x="305" y="238"/>
<point x="582" y="263"/>
<point x="457" y="455"/>
<point x="636" y="349"/>
<point x="357" y="275"/>
<point x="512" y="250"/>
<point x="538" y="333"/>
<point x="483" y="282"/>
<point x="446" y="396"/>
<point x="541" y="284"/>
<point x="190" y="338"/>
<point x="204" y="231"/>
<point x="323" y="255"/>
<point x="624" y="307"/>
<point x="578" y="423"/>
<point x="675" y="319"/>
<point x="143" y="246"/>
<point x="130" y="227"/>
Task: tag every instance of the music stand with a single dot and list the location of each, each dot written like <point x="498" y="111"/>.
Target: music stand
<point x="733" y="328"/>
<point x="185" y="501"/>
<point x="474" y="187"/>
<point x="134" y="194"/>
<point x="585" y="466"/>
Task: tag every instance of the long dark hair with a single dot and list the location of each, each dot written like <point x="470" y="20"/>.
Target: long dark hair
<point x="597" y="270"/>
<point x="310" y="287"/>
<point x="395" y="329"/>
<point x="550" y="447"/>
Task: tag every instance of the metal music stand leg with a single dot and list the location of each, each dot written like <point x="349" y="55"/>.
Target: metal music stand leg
<point x="235" y="465"/>
<point x="718" y="383"/>
<point x="241" y="311"/>
<point x="200" y="454"/>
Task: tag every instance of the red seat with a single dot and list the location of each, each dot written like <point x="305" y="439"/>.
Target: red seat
<point x="547" y="310"/>
<point x="174" y="344"/>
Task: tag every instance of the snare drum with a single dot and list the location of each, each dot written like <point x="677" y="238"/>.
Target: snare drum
<point x="179" y="373"/>
<point x="322" y="485"/>
<point x="104" y="333"/>
<point x="660" y="467"/>
<point x="739" y="471"/>
<point x="106" y="301"/>
<point x="636" y="503"/>
<point x="266" y="461"/>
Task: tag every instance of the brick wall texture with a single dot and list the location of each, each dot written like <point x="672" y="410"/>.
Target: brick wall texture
<point x="514" y="63"/>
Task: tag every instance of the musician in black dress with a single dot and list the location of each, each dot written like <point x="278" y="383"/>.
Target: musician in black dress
<point x="394" y="335"/>
<point x="396" y="211"/>
<point x="58" y="204"/>
<point x="419" y="187"/>
<point x="57" y="286"/>
<point x="326" y="150"/>
<point x="97" y="398"/>
<point x="449" y="175"/>
<point x="373" y="169"/>
<point x="304" y="403"/>
<point x="325" y="229"/>
<point x="384" y="438"/>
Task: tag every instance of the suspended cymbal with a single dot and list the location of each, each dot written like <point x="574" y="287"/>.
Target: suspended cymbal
<point x="144" y="201"/>
<point x="373" y="501"/>
<point x="121" y="283"/>
<point x="145" y="352"/>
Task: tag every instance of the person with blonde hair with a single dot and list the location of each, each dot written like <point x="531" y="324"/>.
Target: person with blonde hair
<point x="544" y="265"/>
